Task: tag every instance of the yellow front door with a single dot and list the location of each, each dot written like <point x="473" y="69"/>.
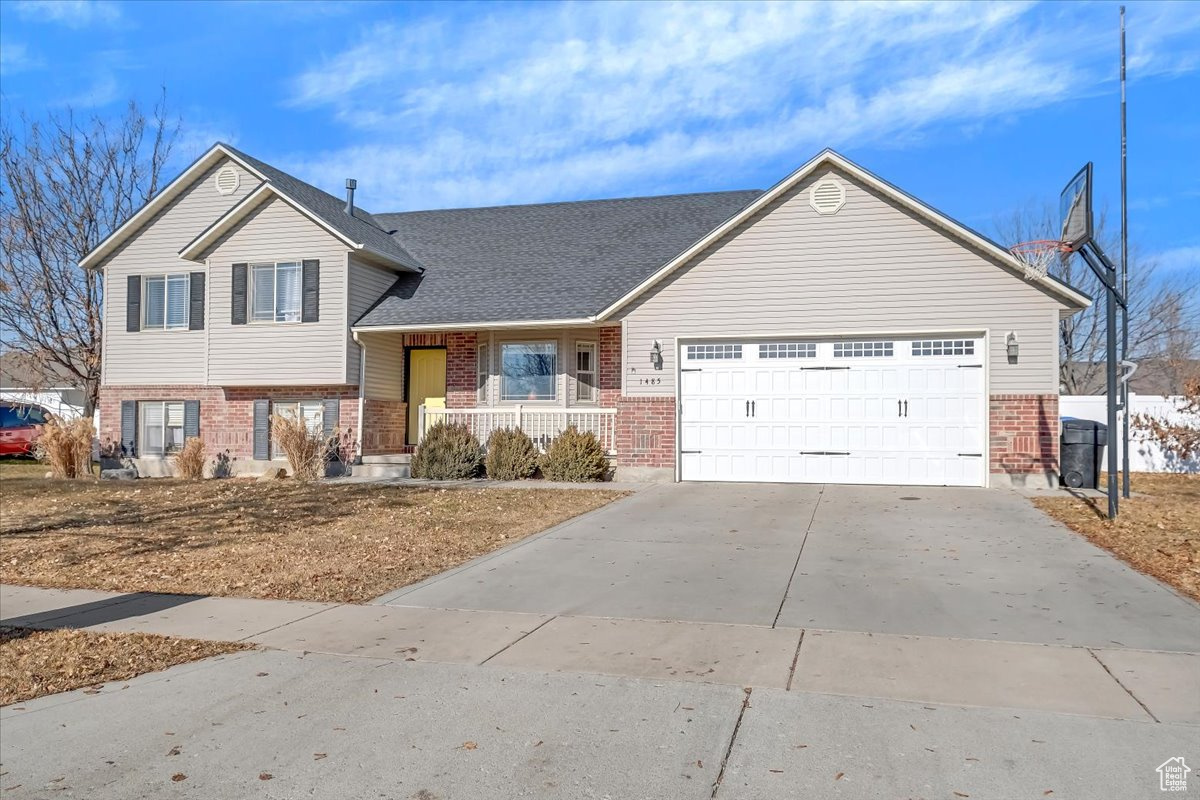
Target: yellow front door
<point x="426" y="381"/>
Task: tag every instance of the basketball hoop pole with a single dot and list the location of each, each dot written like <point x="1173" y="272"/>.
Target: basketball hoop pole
<point x="1106" y="271"/>
<point x="1124" y="282"/>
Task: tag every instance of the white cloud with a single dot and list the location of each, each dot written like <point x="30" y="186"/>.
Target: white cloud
<point x="72" y="13"/>
<point x="540" y="102"/>
<point x="16" y="57"/>
<point x="1178" y="259"/>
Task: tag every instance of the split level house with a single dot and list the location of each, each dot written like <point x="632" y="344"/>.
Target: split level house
<point x="829" y="329"/>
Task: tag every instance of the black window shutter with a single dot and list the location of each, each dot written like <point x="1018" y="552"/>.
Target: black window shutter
<point x="310" y="306"/>
<point x="262" y="429"/>
<point x="133" y="303"/>
<point x="238" y="316"/>
<point x="129" y="428"/>
<point x="191" y="418"/>
<point x="330" y="417"/>
<point x="196" y="302"/>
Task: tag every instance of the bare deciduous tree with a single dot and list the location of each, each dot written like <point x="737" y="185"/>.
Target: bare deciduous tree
<point x="1164" y="312"/>
<point x="66" y="184"/>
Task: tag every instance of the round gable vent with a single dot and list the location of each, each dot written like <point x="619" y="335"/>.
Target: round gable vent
<point x="227" y="180"/>
<point x="827" y="196"/>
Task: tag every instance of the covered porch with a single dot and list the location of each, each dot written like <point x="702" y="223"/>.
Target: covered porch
<point x="540" y="380"/>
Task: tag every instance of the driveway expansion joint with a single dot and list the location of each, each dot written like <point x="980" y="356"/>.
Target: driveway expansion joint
<point x="1128" y="691"/>
<point x="799" y="553"/>
<point x="737" y="725"/>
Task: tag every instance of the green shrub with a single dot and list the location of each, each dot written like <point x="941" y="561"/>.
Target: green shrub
<point x="575" y="457"/>
<point x="447" y="452"/>
<point x="511" y="456"/>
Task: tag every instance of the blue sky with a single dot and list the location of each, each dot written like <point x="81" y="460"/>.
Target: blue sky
<point x="979" y="109"/>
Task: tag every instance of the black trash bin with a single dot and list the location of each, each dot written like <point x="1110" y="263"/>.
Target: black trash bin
<point x="1081" y="452"/>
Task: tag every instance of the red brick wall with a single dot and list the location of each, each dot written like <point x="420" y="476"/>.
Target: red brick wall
<point x="226" y="414"/>
<point x="1024" y="433"/>
<point x="609" y="342"/>
<point x="385" y="423"/>
<point x="646" y="431"/>
<point x="460" y="370"/>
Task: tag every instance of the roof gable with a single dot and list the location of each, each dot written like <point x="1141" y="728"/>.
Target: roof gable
<point x="1067" y="295"/>
<point x="360" y="231"/>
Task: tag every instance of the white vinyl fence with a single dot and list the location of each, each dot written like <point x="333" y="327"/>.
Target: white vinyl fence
<point x="1144" y="455"/>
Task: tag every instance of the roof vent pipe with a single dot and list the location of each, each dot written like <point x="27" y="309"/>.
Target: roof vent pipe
<point x="351" y="185"/>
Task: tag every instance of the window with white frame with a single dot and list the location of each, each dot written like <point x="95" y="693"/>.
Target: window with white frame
<point x="275" y="291"/>
<point x="528" y="371"/>
<point x="165" y="305"/>
<point x="481" y="374"/>
<point x="862" y="349"/>
<point x="585" y="372"/>
<point x="943" y="347"/>
<point x="311" y="411"/>
<point x="161" y="427"/>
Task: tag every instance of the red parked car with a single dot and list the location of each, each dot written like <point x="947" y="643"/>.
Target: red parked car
<point x="19" y="428"/>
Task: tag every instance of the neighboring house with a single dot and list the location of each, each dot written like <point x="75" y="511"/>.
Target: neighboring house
<point x="830" y="329"/>
<point x="26" y="383"/>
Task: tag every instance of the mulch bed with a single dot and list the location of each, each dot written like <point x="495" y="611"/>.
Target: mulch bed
<point x="35" y="663"/>
<point x="336" y="542"/>
<point x="1157" y="531"/>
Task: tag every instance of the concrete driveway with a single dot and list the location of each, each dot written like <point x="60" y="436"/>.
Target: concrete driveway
<point x="961" y="563"/>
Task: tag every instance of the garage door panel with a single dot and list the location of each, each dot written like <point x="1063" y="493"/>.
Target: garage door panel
<point x="876" y="415"/>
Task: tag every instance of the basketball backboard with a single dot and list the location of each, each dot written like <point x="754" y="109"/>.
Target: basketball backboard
<point x="1075" y="209"/>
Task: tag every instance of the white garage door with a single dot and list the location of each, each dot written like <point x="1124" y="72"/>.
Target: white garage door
<point x="900" y="411"/>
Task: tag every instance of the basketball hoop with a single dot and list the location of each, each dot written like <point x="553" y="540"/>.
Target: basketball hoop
<point x="1038" y="255"/>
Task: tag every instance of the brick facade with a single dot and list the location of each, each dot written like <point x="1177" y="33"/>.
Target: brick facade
<point x="609" y="357"/>
<point x="385" y="423"/>
<point x="226" y="414"/>
<point x="646" y="431"/>
<point x="460" y="370"/>
<point x="1024" y="433"/>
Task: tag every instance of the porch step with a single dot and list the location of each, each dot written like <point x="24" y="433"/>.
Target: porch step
<point x="388" y="458"/>
<point x="366" y="470"/>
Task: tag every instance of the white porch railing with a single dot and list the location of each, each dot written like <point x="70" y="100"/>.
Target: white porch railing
<point x="541" y="424"/>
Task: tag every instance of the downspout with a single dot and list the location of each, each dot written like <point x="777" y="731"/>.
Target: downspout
<point x="362" y="380"/>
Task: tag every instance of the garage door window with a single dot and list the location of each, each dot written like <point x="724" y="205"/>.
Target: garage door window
<point x="788" y="350"/>
<point x="862" y="349"/>
<point x="707" y="352"/>
<point x="944" y="347"/>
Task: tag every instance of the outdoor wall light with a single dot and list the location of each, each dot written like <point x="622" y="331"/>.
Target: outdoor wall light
<point x="656" y="354"/>
<point x="1013" y="347"/>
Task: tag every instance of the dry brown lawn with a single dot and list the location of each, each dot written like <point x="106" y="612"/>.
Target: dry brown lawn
<point x="337" y="542"/>
<point x="36" y="663"/>
<point x="1156" y="532"/>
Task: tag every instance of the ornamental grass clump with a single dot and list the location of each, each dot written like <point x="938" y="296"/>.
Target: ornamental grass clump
<point x="448" y="451"/>
<point x="575" y="456"/>
<point x="189" y="461"/>
<point x="66" y="447"/>
<point x="307" y="449"/>
<point x="511" y="455"/>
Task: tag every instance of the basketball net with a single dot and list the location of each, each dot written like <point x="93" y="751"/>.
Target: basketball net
<point x="1038" y="255"/>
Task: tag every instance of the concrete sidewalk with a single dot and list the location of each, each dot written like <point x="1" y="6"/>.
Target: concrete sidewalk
<point x="1116" y="683"/>
<point x="271" y="724"/>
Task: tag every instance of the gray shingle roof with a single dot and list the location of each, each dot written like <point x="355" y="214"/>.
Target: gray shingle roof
<point x="540" y="262"/>
<point x="362" y="227"/>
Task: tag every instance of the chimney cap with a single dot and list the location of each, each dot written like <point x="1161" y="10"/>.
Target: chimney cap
<point x="351" y="183"/>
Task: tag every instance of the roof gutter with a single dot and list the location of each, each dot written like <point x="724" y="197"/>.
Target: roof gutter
<point x="461" y="326"/>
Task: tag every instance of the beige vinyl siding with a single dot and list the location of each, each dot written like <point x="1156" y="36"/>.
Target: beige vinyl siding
<point x="162" y="357"/>
<point x="264" y="354"/>
<point x="870" y="268"/>
<point x="367" y="284"/>
<point x="384" y="374"/>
